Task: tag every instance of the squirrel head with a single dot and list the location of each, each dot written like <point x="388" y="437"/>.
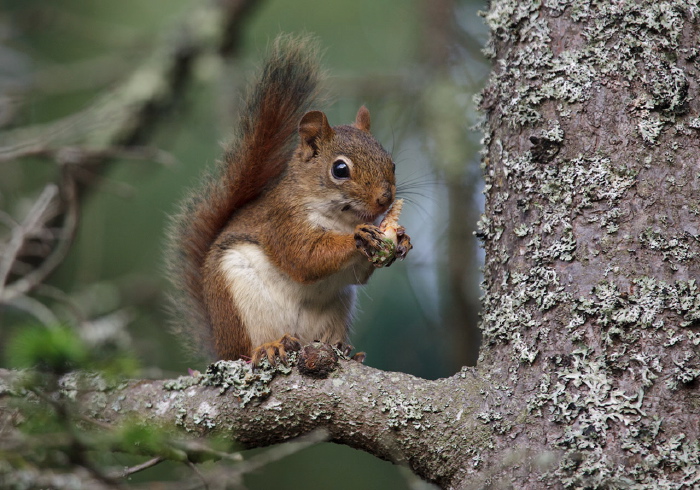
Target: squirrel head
<point x="355" y="173"/>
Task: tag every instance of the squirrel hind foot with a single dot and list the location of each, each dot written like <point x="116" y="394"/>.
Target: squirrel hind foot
<point x="274" y="350"/>
<point x="359" y="357"/>
<point x="346" y="349"/>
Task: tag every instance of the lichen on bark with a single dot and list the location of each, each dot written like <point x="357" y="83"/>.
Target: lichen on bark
<point x="590" y="249"/>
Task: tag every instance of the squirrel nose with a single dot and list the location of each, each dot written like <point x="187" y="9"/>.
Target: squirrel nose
<point x="385" y="199"/>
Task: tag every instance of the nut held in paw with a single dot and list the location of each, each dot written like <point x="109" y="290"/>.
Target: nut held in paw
<point x="389" y="227"/>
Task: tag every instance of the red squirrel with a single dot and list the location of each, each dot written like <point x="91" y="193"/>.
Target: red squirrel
<point x="266" y="253"/>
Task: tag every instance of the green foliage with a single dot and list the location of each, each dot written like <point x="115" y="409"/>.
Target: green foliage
<point x="149" y="440"/>
<point x="57" y="349"/>
<point x="61" y="349"/>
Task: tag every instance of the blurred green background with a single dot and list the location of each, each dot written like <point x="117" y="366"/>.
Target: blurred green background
<point x="415" y="63"/>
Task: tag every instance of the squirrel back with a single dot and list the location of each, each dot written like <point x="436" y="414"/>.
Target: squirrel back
<point x="261" y="148"/>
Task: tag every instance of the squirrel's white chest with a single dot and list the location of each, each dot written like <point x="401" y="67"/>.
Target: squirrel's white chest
<point x="271" y="304"/>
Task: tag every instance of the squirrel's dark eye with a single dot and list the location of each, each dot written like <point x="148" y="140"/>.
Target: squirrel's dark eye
<point x="393" y="167"/>
<point x="340" y="170"/>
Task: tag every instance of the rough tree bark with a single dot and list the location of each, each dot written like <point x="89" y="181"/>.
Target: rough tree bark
<point x="592" y="311"/>
<point x="588" y="376"/>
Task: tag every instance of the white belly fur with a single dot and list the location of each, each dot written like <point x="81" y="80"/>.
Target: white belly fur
<point x="272" y="304"/>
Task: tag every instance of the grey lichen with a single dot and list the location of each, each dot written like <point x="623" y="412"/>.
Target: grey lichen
<point x="237" y="378"/>
<point x="495" y="420"/>
<point x="205" y="415"/>
<point x="557" y="195"/>
<point x="554" y="133"/>
<point x="593" y="409"/>
<point x="182" y="382"/>
<point x="637" y="42"/>
<point x="541" y="202"/>
<point x="686" y="371"/>
<point x="73" y="383"/>
<point x="675" y="248"/>
<point x="598" y="404"/>
<point x="644" y="306"/>
<point x="405" y="410"/>
<point x="650" y="128"/>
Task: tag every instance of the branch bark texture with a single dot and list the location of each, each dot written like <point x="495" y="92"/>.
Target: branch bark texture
<point x="395" y="416"/>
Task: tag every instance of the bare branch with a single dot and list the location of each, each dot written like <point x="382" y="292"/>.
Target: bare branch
<point x="34" y="226"/>
<point x="36" y="309"/>
<point x="31" y="227"/>
<point x="123" y="115"/>
<point x="392" y="415"/>
<point x="126" y="472"/>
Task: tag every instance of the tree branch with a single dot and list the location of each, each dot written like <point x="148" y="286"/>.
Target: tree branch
<point x="123" y="115"/>
<point x="428" y="426"/>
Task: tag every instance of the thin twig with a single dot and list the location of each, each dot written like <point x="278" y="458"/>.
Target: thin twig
<point x="29" y="227"/>
<point x="126" y="472"/>
<point x="199" y="474"/>
<point x="32" y="279"/>
<point x="7" y="220"/>
<point x="37" y="309"/>
<point x="281" y="451"/>
<point x="67" y="301"/>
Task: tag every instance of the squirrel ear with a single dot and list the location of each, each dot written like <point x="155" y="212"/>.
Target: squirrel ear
<point x="313" y="130"/>
<point x="362" y="120"/>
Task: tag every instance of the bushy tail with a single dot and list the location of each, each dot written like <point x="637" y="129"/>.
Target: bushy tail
<point x="262" y="146"/>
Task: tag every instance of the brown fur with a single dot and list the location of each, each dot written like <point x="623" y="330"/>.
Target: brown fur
<point x="289" y="203"/>
<point x="287" y="86"/>
<point x="231" y="339"/>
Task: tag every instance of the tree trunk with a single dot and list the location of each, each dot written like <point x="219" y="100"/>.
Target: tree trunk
<point x="592" y="311"/>
<point x="588" y="376"/>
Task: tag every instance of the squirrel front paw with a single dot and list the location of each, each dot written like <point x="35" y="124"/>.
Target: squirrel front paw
<point x="369" y="240"/>
<point x="382" y="249"/>
<point x="274" y="350"/>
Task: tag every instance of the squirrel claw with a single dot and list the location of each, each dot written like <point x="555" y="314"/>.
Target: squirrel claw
<point x="359" y="357"/>
<point x="404" y="243"/>
<point x="371" y="241"/>
<point x="272" y="350"/>
<point x="346" y="349"/>
<point x="368" y="239"/>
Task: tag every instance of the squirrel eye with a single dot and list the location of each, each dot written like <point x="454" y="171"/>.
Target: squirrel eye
<point x="393" y="167"/>
<point x="340" y="170"/>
